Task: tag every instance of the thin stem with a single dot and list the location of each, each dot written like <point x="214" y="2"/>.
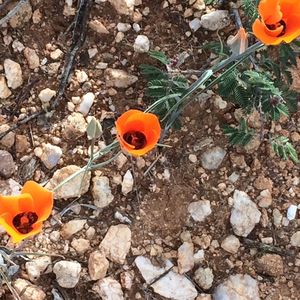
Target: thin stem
<point x="209" y="73"/>
<point x="89" y="165"/>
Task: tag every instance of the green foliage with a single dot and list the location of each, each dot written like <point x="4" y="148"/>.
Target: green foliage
<point x="163" y="85"/>
<point x="250" y="9"/>
<point x="241" y="135"/>
<point x="217" y="48"/>
<point x="283" y="148"/>
<point x="252" y="89"/>
<point x="161" y="57"/>
<point x="210" y="2"/>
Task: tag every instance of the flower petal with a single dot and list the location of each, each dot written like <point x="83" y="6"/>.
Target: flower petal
<point x="270" y="11"/>
<point x="42" y="199"/>
<point x="6" y="222"/>
<point x="15" y="204"/>
<point x="260" y="31"/>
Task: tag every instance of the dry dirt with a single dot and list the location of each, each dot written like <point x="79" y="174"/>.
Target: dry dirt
<point x="158" y="204"/>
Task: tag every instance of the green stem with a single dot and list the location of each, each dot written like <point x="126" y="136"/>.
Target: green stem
<point x="238" y="59"/>
<point x="89" y="165"/>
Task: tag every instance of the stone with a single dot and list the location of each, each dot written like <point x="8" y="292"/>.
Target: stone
<point x="36" y="16"/>
<point x="127" y="183"/>
<point x="75" y="187"/>
<point x="199" y="210"/>
<point x="9" y="187"/>
<point x="9" y="139"/>
<point x="13" y="73"/>
<point x="5" y="92"/>
<point x="185" y="257"/>
<point x="193" y="158"/>
<point x="244" y="214"/>
<point x="119" y="37"/>
<point x="51" y="155"/>
<point x="123" y="27"/>
<point x="263" y="183"/>
<point x="212" y="158"/>
<point x="81" y="245"/>
<point x="67" y="273"/>
<point x="270" y="264"/>
<point x="215" y="20"/>
<point x="123" y="7"/>
<point x="74" y="126"/>
<point x="98" y="27"/>
<point x="22" y="144"/>
<point x="292" y="212"/>
<point x="37" y="266"/>
<point x="101" y="191"/>
<point x="32" y="58"/>
<point x="204" y="297"/>
<point x="172" y="285"/>
<point x="22" y="16"/>
<point x="7" y="164"/>
<point x="46" y="95"/>
<point x="72" y="227"/>
<point x="265" y="199"/>
<point x="231" y="244"/>
<point x="97" y="265"/>
<point x="116" y="243"/>
<point x="118" y="78"/>
<point x="204" y="278"/>
<point x="141" y="44"/>
<point x="126" y="279"/>
<point x="195" y="24"/>
<point x="82" y="77"/>
<point x="199" y="4"/>
<point x="199" y="256"/>
<point x="237" y="287"/>
<point x="109" y="289"/>
<point x="28" y="290"/>
<point x="56" y="54"/>
<point x="86" y="103"/>
<point x="277" y="217"/>
<point x="295" y="239"/>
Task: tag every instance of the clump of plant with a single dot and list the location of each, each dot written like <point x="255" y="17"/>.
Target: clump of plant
<point x="252" y="82"/>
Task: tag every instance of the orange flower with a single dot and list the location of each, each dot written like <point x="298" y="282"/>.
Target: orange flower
<point x="138" y="132"/>
<point x="279" y="21"/>
<point x="22" y="215"/>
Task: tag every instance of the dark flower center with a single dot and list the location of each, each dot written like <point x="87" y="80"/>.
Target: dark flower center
<point x="23" y="222"/>
<point x="275" y="26"/>
<point x="136" y="139"/>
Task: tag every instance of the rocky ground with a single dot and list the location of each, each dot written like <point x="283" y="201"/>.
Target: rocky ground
<point x="198" y="220"/>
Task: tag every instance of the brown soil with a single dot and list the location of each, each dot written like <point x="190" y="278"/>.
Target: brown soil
<point x="157" y="206"/>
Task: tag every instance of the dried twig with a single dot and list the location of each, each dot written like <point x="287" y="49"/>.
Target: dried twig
<point x="13" y="12"/>
<point x="77" y="41"/>
<point x="24" y="121"/>
<point x="78" y="38"/>
<point x="267" y="248"/>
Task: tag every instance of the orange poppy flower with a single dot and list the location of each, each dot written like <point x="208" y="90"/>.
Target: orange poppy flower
<point x="279" y="21"/>
<point x="138" y="132"/>
<point x="22" y="215"/>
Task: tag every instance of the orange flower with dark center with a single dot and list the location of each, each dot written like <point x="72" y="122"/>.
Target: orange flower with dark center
<point x="22" y="215"/>
<point x="138" y="132"/>
<point x="279" y="21"/>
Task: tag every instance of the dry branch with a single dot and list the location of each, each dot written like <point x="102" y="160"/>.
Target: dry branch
<point x="12" y="12"/>
<point x="78" y="37"/>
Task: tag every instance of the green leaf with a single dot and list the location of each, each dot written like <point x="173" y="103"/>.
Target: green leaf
<point x="283" y="148"/>
<point x="160" y="56"/>
<point x="94" y="129"/>
<point x="239" y="136"/>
